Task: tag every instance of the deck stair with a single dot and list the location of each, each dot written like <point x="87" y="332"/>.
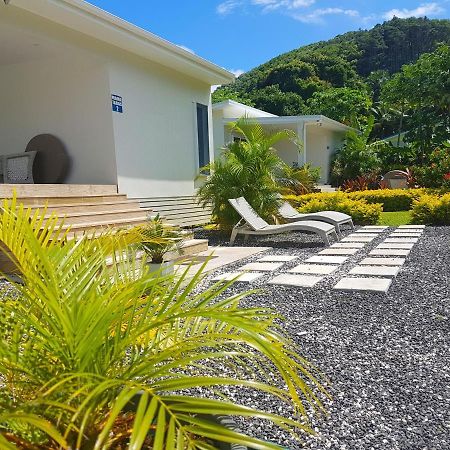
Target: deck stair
<point x="90" y="209"/>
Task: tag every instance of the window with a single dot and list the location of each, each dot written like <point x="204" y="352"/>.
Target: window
<point x="203" y="135"/>
<point x="238" y="139"/>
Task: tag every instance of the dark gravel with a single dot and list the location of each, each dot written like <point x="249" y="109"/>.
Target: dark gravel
<point x="388" y="356"/>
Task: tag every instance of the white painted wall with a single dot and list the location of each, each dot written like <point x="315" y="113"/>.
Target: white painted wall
<point x="156" y="136"/>
<point x="69" y="98"/>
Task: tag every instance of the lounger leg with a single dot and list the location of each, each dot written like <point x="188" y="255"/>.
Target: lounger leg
<point x="325" y="238"/>
<point x="336" y="236"/>
<point x="351" y="224"/>
<point x="233" y="236"/>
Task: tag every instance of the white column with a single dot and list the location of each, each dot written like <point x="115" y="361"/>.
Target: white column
<point x="301" y="131"/>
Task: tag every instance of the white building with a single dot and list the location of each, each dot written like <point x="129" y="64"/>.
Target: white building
<point x="319" y="136"/>
<point x="132" y="109"/>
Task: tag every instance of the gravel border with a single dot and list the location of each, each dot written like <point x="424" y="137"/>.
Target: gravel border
<point x="387" y="355"/>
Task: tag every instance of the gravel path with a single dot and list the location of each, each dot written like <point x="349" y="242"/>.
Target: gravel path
<point x="387" y="356"/>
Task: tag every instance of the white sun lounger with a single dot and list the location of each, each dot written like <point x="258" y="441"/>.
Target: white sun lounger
<point x="290" y="214"/>
<point x="252" y="223"/>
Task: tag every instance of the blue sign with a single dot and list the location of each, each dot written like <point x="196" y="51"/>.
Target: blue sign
<point x="117" y="104"/>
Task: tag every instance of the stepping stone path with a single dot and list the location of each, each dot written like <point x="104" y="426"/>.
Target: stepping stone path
<point x="359" y="238"/>
<point x="261" y="266"/>
<point x="389" y="252"/>
<point x="277" y="258"/>
<point x="364" y="284"/>
<point x="391" y="245"/>
<point x="327" y="259"/>
<point x="348" y="245"/>
<point x="296" y="280"/>
<point x="377" y="271"/>
<point x="373" y="273"/>
<point x="243" y="277"/>
<point x="383" y="261"/>
<point x="318" y="269"/>
<point x="401" y="240"/>
<point x="339" y="251"/>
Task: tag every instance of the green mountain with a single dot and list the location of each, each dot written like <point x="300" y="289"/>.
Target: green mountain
<point x="355" y="62"/>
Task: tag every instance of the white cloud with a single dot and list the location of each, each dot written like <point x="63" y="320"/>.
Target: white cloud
<point x="317" y="16"/>
<point x="227" y="7"/>
<point x="425" y="9"/>
<point x="236" y="72"/>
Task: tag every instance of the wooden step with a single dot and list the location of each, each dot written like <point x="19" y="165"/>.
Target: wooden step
<point x="108" y="217"/>
<point x="55" y="201"/>
<point x="57" y="190"/>
<point x="74" y="207"/>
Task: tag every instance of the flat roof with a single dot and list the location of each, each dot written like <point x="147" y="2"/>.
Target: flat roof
<point x="229" y="102"/>
<point x="92" y="21"/>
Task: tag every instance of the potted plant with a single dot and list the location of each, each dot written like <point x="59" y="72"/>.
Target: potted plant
<point x="159" y="242"/>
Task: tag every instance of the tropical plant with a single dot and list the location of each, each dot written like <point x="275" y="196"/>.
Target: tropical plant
<point x="436" y="173"/>
<point x="361" y="183"/>
<point x="357" y="156"/>
<point x="299" y="180"/>
<point x="158" y="239"/>
<point x="87" y="335"/>
<point x="247" y="168"/>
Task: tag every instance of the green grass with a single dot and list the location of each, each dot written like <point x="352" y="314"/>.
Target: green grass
<point x="394" y="219"/>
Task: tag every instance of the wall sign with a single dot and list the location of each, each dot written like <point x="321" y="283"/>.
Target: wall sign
<point x="117" y="104"/>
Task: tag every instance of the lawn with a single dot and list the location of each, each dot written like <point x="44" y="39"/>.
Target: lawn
<point x="394" y="219"/>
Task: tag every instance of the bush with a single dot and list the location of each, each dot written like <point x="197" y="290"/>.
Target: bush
<point x="436" y="173"/>
<point x="362" y="212"/>
<point x="432" y="210"/>
<point x="391" y="199"/>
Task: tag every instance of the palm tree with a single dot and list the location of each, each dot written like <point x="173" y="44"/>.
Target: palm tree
<point x="83" y="338"/>
<point x="249" y="168"/>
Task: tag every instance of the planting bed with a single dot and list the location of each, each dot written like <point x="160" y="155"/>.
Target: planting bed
<point x="386" y="354"/>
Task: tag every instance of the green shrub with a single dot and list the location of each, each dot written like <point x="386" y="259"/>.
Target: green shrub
<point x="432" y="210"/>
<point x="391" y="199"/>
<point x="436" y="173"/>
<point x="362" y="212"/>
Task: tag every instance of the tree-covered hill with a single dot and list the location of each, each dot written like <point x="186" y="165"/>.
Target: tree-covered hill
<point x="341" y="76"/>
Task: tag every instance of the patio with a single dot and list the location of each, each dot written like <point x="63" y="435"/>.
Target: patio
<point x="386" y="353"/>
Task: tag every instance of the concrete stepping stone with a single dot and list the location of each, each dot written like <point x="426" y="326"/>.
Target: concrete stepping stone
<point x="318" y="269"/>
<point x="361" y="238"/>
<point x="389" y="252"/>
<point x="401" y="240"/>
<point x="389" y="245"/>
<point x="377" y="271"/>
<point x="261" y="266"/>
<point x="364" y="284"/>
<point x="404" y="235"/>
<point x="339" y="251"/>
<point x="375" y="227"/>
<point x="295" y="280"/>
<point x="277" y="258"/>
<point x="383" y="261"/>
<point x="348" y="245"/>
<point x="418" y="227"/>
<point x="243" y="277"/>
<point x="369" y="231"/>
<point x="325" y="259"/>
<point x="405" y="231"/>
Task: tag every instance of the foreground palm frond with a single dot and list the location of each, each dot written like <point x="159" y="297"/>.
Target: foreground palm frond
<point x="87" y="338"/>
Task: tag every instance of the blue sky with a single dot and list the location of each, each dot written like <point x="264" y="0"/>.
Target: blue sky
<point x="241" y="34"/>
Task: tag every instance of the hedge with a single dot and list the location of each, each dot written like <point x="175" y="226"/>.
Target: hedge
<point x="431" y="210"/>
<point x="390" y="199"/>
<point x="362" y="212"/>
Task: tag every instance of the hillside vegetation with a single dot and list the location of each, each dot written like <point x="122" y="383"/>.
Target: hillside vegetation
<point x="342" y="77"/>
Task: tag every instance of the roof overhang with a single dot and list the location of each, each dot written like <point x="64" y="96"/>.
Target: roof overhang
<point x="94" y="22"/>
<point x="296" y="121"/>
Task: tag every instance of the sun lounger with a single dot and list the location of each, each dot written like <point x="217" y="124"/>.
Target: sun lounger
<point x="252" y="223"/>
<point x="290" y="214"/>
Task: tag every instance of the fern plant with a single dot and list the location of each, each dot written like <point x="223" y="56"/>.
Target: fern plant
<point x="87" y="335"/>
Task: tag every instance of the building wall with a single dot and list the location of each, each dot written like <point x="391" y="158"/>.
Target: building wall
<point x="321" y="143"/>
<point x="69" y="98"/>
<point x="156" y="136"/>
